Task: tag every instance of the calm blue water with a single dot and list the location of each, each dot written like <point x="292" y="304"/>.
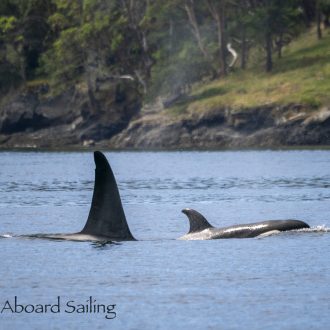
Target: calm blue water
<point x="277" y="282"/>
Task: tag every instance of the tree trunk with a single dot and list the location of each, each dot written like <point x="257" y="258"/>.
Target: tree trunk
<point x="243" y="48"/>
<point x="233" y="53"/>
<point x="171" y="34"/>
<point x="23" y="68"/>
<point x="223" y="40"/>
<point x="147" y="59"/>
<point x="280" y="46"/>
<point x="141" y="81"/>
<point x="217" y="11"/>
<point x="318" y="20"/>
<point x="240" y="12"/>
<point x="269" y="60"/>
<point x="135" y="15"/>
<point x="22" y="63"/>
<point x="94" y="106"/>
<point x="189" y="7"/>
<point x="91" y="66"/>
<point x="326" y="21"/>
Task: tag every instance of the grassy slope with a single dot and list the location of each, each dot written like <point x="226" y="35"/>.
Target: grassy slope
<point x="301" y="76"/>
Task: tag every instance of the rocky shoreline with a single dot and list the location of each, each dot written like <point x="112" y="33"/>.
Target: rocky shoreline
<point x="28" y="120"/>
<point x="262" y="127"/>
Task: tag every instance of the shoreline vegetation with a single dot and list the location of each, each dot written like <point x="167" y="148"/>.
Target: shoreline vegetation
<point x="165" y="82"/>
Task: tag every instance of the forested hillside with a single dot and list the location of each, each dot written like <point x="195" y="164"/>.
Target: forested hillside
<point x="90" y="65"/>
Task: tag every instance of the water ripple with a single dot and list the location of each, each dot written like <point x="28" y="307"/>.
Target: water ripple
<point x="173" y="184"/>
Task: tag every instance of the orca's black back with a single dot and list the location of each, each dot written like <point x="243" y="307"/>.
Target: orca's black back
<point x="257" y="228"/>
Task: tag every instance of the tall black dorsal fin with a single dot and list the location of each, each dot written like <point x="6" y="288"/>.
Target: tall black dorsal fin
<point x="196" y="220"/>
<point x="106" y="216"/>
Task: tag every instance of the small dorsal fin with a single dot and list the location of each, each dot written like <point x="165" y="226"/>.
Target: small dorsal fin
<point x="196" y="220"/>
<point x="106" y="216"/>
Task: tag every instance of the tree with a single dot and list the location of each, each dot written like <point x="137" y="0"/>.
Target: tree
<point x="139" y="21"/>
<point x="322" y="9"/>
<point x="218" y="12"/>
<point x="183" y="51"/>
<point x="23" y="30"/>
<point x="274" y="22"/>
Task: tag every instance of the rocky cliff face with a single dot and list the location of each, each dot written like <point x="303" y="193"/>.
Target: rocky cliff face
<point x="267" y="126"/>
<point x="32" y="118"/>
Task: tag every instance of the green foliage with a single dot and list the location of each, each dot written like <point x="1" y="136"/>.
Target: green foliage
<point x="166" y="46"/>
<point x="7" y="24"/>
<point x="302" y="76"/>
<point x="311" y="101"/>
<point x="23" y="32"/>
<point x="64" y="61"/>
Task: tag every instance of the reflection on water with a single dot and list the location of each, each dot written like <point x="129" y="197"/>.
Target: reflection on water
<point x="104" y="245"/>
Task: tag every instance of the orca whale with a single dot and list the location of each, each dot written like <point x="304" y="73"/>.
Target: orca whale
<point x="106" y="221"/>
<point x="201" y="229"/>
